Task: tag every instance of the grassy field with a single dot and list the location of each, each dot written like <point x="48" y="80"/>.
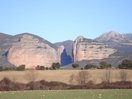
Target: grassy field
<point x="61" y="75"/>
<point x="69" y="94"/>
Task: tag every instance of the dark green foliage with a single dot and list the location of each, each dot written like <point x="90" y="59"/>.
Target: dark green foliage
<point x="125" y="64"/>
<point x="6" y="68"/>
<point x="89" y="66"/>
<point x="75" y="65"/>
<point x="1" y="68"/>
<point x="55" y="66"/>
<point x="104" y="65"/>
<point x="40" y="67"/>
<point x="20" y="68"/>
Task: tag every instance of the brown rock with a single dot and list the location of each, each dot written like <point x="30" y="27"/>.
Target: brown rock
<point x="31" y="51"/>
<point x="87" y="49"/>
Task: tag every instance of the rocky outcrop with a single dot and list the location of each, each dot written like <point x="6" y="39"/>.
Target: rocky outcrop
<point x="67" y="53"/>
<point x="32" y="51"/>
<point x="87" y="49"/>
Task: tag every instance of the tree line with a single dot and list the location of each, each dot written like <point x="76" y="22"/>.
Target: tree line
<point x="22" y="67"/>
<point x="125" y="64"/>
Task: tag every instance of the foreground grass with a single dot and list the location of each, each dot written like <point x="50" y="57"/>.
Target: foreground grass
<point x="69" y="94"/>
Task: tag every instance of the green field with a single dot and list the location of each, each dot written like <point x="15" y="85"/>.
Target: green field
<point x="69" y="94"/>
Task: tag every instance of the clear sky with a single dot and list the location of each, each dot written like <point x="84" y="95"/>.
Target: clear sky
<point x="59" y="20"/>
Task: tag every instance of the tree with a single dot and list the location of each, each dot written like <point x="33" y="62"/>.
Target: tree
<point x="125" y="64"/>
<point x="55" y="66"/>
<point x="89" y="66"/>
<point x="21" y="67"/>
<point x="71" y="78"/>
<point x="1" y="68"/>
<point x="31" y="75"/>
<point x="107" y="76"/>
<point x="75" y="65"/>
<point x="104" y="64"/>
<point x="123" y="75"/>
<point x="82" y="77"/>
<point x="40" y="67"/>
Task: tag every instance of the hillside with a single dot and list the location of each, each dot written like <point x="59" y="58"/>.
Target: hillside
<point x="32" y="50"/>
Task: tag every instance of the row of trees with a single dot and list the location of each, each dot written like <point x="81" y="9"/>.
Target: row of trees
<point x="38" y="67"/>
<point x="125" y="64"/>
<point x="101" y="65"/>
<point x="83" y="77"/>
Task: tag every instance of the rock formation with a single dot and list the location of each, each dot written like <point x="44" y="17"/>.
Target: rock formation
<point x="32" y="51"/>
<point x="87" y="49"/>
<point x="67" y="53"/>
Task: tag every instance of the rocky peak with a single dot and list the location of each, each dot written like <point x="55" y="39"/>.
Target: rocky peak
<point x="4" y="36"/>
<point x="81" y="39"/>
<point x="88" y="49"/>
<point x="111" y="36"/>
<point x="31" y="51"/>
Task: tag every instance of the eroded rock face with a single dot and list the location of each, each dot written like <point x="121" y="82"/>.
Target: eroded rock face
<point x="87" y="49"/>
<point x="31" y="51"/>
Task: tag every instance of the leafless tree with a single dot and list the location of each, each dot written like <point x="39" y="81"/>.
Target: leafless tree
<point x="82" y="77"/>
<point x="71" y="80"/>
<point x="107" y="76"/>
<point x="123" y="75"/>
<point x="31" y="75"/>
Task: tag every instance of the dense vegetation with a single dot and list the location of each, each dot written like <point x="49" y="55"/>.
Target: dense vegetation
<point x="125" y="64"/>
<point x="8" y="85"/>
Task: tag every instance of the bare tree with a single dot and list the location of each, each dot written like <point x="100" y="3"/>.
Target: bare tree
<point x="107" y="76"/>
<point x="31" y="75"/>
<point x="82" y="77"/>
<point x="123" y="75"/>
<point x="72" y="77"/>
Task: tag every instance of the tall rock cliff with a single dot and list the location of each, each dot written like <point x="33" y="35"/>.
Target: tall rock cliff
<point x="87" y="49"/>
<point x="67" y="52"/>
<point x="31" y="51"/>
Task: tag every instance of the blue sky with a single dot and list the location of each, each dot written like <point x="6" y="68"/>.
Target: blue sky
<point x="59" y="20"/>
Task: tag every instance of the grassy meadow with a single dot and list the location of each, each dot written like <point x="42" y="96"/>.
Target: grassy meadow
<point x="61" y="75"/>
<point x="69" y="94"/>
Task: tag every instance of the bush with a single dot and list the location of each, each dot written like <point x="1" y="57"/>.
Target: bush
<point x="40" y="67"/>
<point x="20" y="68"/>
<point x="125" y="64"/>
<point x="75" y="65"/>
<point x="6" y="68"/>
<point x="104" y="65"/>
<point x="55" y="66"/>
<point x="89" y="66"/>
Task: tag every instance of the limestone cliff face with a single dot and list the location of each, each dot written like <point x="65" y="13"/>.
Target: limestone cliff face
<point x="32" y="51"/>
<point x="87" y="49"/>
<point x="60" y="51"/>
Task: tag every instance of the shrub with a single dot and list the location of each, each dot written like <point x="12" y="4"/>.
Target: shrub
<point x="89" y="66"/>
<point x="20" y="68"/>
<point x="75" y="65"/>
<point x="55" y="66"/>
<point x="125" y="64"/>
<point x="104" y="64"/>
<point x="40" y="67"/>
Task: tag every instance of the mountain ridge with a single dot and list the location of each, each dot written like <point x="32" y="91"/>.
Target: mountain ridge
<point x="65" y="50"/>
